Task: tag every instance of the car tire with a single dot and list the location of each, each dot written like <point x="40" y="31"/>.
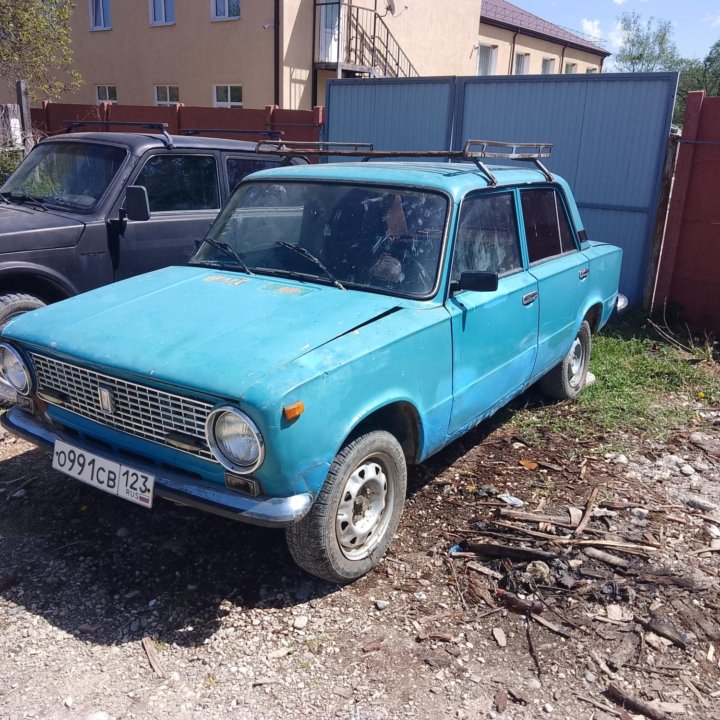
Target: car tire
<point x="356" y="514"/>
<point x="12" y="305"/>
<point x="567" y="378"/>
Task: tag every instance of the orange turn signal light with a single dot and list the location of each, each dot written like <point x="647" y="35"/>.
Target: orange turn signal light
<point x="290" y="412"/>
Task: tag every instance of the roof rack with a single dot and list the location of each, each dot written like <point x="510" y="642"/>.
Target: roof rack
<point x="161" y="127"/>
<point x="474" y="150"/>
<point x="271" y="134"/>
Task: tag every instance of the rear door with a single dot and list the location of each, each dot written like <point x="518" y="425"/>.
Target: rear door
<point x="239" y="166"/>
<point x="494" y="333"/>
<point x="185" y="196"/>
<point x="560" y="268"/>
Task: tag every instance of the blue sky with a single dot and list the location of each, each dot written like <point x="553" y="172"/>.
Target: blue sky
<point x="696" y="23"/>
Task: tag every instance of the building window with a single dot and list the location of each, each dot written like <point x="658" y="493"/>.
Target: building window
<point x="100" y="18"/>
<point x="487" y="59"/>
<point x="167" y="94"/>
<point x="570" y="68"/>
<point x="229" y="96"/>
<point x="162" y="12"/>
<point x="548" y="66"/>
<point x="590" y="71"/>
<point x="225" y="9"/>
<point x="522" y="63"/>
<point x="106" y="93"/>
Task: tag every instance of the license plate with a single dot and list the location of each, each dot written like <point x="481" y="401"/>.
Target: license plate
<point x="114" y="478"/>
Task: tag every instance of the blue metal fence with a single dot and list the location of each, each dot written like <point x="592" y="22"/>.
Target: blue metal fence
<point x="610" y="133"/>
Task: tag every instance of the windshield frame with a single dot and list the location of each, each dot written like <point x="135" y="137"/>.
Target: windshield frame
<point x="72" y="209"/>
<point x="228" y="209"/>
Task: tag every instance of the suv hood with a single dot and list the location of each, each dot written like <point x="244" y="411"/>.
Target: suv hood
<point x="23" y="227"/>
<point x="210" y="331"/>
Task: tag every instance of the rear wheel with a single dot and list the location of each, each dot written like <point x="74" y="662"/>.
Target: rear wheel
<point x="567" y="378"/>
<point x="11" y="306"/>
<point x="356" y="514"/>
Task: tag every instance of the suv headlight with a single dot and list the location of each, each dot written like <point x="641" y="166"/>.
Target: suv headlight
<point x="234" y="440"/>
<point x="14" y="370"/>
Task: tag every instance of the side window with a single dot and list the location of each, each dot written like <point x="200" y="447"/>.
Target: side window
<point x="180" y="182"/>
<point x="238" y="168"/>
<point x="487" y="236"/>
<point x="546" y="225"/>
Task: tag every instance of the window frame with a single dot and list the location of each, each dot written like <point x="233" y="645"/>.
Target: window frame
<point x="107" y="22"/>
<point x="492" y="69"/>
<point x="229" y="103"/>
<point x="168" y="102"/>
<point x="225" y="17"/>
<point x="185" y="153"/>
<point x="107" y="99"/>
<point x="559" y="193"/>
<point x="164" y="21"/>
<point x="551" y="62"/>
<point x="571" y="68"/>
<point x="525" y="64"/>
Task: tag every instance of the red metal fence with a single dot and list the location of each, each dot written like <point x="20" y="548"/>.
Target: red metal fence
<point x="689" y="271"/>
<point x="52" y="117"/>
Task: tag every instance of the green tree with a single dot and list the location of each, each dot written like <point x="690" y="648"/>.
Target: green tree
<point x="698" y="75"/>
<point x="647" y="46"/>
<point x="35" y="45"/>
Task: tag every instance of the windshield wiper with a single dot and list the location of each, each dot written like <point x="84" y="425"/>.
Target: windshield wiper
<point x="230" y="251"/>
<point x="304" y="252"/>
<point x="4" y="199"/>
<point x="23" y="198"/>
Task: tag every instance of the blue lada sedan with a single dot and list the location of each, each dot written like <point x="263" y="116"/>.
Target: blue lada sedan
<point x="339" y="322"/>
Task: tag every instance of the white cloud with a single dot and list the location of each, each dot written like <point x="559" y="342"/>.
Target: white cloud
<point x="714" y="19"/>
<point x="619" y="2"/>
<point x="591" y="27"/>
<point x="616" y="36"/>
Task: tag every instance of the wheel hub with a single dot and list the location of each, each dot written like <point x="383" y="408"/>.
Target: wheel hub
<point x="576" y="364"/>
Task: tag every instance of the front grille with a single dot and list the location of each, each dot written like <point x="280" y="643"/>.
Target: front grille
<point x="135" y="409"/>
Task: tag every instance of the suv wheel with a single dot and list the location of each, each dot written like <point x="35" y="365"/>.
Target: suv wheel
<point x="356" y="514"/>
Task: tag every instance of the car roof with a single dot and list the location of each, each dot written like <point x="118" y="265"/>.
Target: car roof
<point x="453" y="178"/>
<point x="140" y="142"/>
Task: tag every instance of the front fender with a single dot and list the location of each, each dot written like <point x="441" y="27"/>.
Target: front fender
<point x="34" y="272"/>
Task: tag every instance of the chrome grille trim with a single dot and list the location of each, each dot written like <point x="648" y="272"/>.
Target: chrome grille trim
<point x="140" y="411"/>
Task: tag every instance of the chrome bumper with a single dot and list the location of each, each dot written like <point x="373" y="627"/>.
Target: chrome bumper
<point x="621" y="302"/>
<point x="183" y="489"/>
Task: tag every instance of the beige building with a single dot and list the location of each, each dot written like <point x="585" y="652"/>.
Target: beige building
<point x="253" y="53"/>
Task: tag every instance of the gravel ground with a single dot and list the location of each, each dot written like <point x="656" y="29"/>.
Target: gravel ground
<point x="108" y="610"/>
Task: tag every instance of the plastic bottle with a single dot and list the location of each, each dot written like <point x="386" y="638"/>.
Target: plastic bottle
<point x="512" y="602"/>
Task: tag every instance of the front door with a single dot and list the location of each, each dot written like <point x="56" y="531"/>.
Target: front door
<point x="184" y="195"/>
<point x="494" y="333"/>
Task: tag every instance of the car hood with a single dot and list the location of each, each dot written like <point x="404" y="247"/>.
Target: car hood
<point x="26" y="228"/>
<point x="215" y="332"/>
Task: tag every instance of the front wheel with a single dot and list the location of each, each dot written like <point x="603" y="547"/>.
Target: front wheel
<point x="356" y="514"/>
<point x="567" y="378"/>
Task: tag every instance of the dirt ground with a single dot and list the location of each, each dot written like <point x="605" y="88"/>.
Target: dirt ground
<point x="108" y="610"/>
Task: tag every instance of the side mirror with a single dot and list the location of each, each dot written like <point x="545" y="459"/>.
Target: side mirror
<point x="476" y="281"/>
<point x="137" y="205"/>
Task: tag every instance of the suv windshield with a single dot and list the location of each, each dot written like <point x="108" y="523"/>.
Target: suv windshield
<point x="387" y="239"/>
<point x="68" y="175"/>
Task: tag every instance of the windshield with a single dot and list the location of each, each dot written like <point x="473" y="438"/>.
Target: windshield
<point x="68" y="175"/>
<point x="379" y="238"/>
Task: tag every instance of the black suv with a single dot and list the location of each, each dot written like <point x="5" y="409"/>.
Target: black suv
<point x="64" y="224"/>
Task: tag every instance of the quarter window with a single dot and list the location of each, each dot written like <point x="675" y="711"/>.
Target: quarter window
<point x="106" y="93"/>
<point x="225" y="9"/>
<point x="487" y="236"/>
<point x="100" y="18"/>
<point x="162" y="12"/>
<point x="547" y="228"/>
<point x="167" y="94"/>
<point x="228" y="96"/>
<point x="238" y="168"/>
<point x="180" y="182"/>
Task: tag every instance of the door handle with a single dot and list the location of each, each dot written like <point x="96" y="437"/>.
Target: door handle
<point x="529" y="298"/>
<point x="584" y="273"/>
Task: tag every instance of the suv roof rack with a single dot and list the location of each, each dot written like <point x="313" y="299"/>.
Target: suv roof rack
<point x="161" y="127"/>
<point x="474" y="150"/>
<point x="271" y="134"/>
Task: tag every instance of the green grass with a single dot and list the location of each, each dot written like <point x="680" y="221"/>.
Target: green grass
<point x="645" y="387"/>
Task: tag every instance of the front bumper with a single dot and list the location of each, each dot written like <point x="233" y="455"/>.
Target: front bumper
<point x="183" y="489"/>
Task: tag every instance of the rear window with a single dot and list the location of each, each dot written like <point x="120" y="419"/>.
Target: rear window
<point x="546" y="224"/>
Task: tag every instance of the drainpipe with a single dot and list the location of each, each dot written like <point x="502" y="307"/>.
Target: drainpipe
<point x="277" y="52"/>
<point x="512" y="52"/>
<point x="314" y="74"/>
<point x="602" y="61"/>
<point x="562" y="61"/>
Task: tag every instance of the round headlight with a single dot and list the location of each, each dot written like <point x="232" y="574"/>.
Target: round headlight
<point x="13" y="370"/>
<point x="234" y="440"/>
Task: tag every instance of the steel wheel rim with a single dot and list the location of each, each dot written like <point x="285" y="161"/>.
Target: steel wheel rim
<point x="363" y="512"/>
<point x="576" y="366"/>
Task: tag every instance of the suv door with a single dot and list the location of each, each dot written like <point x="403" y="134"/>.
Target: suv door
<point x="494" y="333"/>
<point x="185" y="196"/>
<point x="560" y="268"/>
